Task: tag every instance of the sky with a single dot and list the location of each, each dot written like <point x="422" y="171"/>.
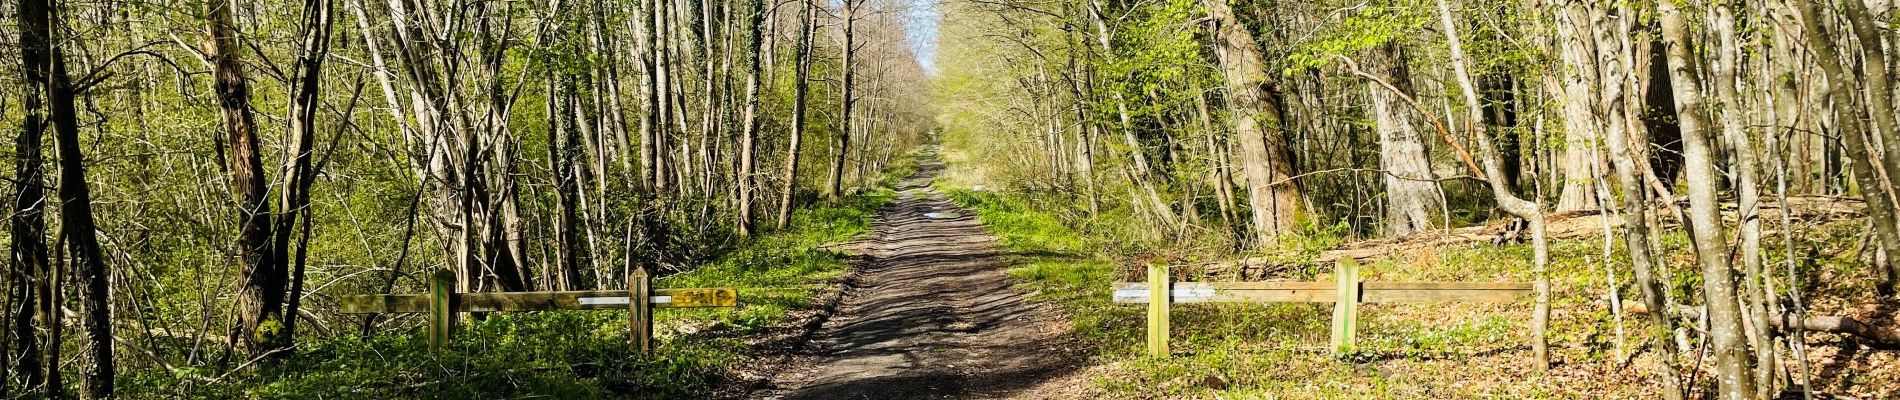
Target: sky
<point x="922" y="18"/>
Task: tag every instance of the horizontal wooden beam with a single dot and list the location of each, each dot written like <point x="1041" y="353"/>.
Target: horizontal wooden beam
<point x="535" y="301"/>
<point x="1326" y="292"/>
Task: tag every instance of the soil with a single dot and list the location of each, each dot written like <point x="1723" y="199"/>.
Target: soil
<point x="926" y="312"/>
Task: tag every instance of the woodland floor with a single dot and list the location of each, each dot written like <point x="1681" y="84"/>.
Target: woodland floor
<point x="927" y="311"/>
<point x="935" y="305"/>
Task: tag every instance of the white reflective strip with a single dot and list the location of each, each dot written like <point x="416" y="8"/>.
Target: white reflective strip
<point x="1131" y="296"/>
<point x="605" y="300"/>
<point x="1192" y="294"/>
<point x="662" y="299"/>
<point x="1196" y="293"/>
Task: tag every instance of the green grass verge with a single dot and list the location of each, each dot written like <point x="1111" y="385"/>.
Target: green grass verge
<point x="563" y="354"/>
<point x="1454" y="350"/>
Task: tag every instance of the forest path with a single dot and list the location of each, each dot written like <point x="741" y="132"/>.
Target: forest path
<point x="928" y="312"/>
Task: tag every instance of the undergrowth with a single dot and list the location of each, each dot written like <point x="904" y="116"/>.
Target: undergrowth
<point x="1278" y="350"/>
<point x="564" y="354"/>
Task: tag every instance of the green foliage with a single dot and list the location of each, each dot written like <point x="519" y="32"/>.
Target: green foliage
<point x="1356" y="32"/>
<point x="559" y="354"/>
<point x="1278" y="350"/>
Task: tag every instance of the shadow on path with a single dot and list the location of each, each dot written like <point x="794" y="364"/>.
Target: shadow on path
<point x="929" y="313"/>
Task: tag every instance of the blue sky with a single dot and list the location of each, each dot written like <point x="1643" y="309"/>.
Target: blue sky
<point x="922" y="17"/>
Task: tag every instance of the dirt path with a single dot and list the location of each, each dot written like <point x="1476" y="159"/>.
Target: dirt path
<point x="928" y="313"/>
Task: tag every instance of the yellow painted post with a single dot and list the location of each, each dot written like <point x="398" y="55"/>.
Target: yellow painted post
<point x="640" y="309"/>
<point x="1346" y="307"/>
<point x="1158" y="310"/>
<point x="441" y="308"/>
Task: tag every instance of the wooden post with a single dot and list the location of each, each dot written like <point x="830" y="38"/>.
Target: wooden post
<point x="1158" y="310"/>
<point x="1346" y="308"/>
<point x="441" y="308"/>
<point x="640" y="310"/>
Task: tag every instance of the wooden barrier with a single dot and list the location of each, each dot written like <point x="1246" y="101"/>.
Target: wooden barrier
<point x="443" y="304"/>
<point x="1345" y="292"/>
<point x="1157" y="310"/>
<point x="1345" y="307"/>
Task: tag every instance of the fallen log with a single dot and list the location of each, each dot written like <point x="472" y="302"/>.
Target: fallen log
<point x="1830" y="324"/>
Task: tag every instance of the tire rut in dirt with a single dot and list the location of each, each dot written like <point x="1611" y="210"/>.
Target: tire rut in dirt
<point x="931" y="314"/>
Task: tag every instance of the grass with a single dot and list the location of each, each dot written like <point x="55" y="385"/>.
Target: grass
<point x="566" y="354"/>
<point x="1448" y="350"/>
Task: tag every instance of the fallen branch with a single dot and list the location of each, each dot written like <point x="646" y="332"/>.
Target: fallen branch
<point x="1830" y="324"/>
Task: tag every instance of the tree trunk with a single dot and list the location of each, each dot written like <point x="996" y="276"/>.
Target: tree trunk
<point x="298" y="172"/>
<point x="652" y="108"/>
<point x="841" y="143"/>
<point x="750" y="123"/>
<point x="1659" y="115"/>
<point x="1271" y="193"/>
<point x="27" y="224"/>
<point x="1411" y="189"/>
<point x="1840" y="91"/>
<point x="1580" y="77"/>
<point x="1625" y="150"/>
<point x="1219" y="173"/>
<point x="1725" y="317"/>
<point x="1502" y="193"/>
<point x="800" y="94"/>
<point x="261" y="299"/>
<point x="75" y="214"/>
<point x="564" y="146"/>
<point x="1500" y="111"/>
<point x="1142" y="173"/>
<point x="1747" y="191"/>
<point x="1879" y="98"/>
<point x="1622" y="137"/>
<point x="503" y="239"/>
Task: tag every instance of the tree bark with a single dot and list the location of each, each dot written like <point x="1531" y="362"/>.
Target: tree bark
<point x="1659" y="115"/>
<point x="1500" y="112"/>
<point x="33" y="284"/>
<point x="1579" y="74"/>
<point x="75" y="216"/>
<point x="1411" y="189"/>
<point x="1840" y="91"/>
<point x="801" y="91"/>
<point x="1879" y="98"/>
<point x="750" y="127"/>
<point x="1271" y="193"/>
<point x="1723" y="72"/>
<point x="261" y="299"/>
<point x="1142" y="173"/>
<point x="1502" y="193"/>
<point x="1725" y="316"/>
<point x="1621" y="138"/>
<point x="298" y="171"/>
<point x="841" y="143"/>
